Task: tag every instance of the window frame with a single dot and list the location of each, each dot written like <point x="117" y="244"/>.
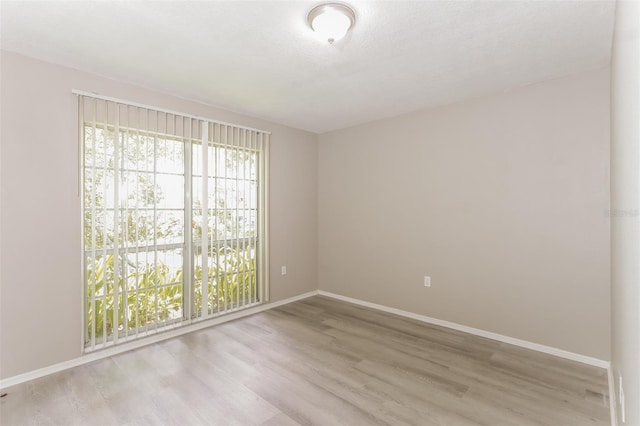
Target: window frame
<point x="189" y="246"/>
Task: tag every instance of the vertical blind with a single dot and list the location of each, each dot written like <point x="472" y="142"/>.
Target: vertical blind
<point x="174" y="218"/>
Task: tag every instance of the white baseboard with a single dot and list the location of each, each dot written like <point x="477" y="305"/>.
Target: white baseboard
<point x="114" y="350"/>
<point x="494" y="336"/>
<point x="613" y="400"/>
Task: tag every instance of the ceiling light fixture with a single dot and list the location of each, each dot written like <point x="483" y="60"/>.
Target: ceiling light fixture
<point x="331" y="21"/>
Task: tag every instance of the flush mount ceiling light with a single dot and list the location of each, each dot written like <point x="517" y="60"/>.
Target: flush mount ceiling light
<point x="331" y="21"/>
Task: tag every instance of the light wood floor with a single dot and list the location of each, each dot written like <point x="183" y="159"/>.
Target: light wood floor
<point x="318" y="361"/>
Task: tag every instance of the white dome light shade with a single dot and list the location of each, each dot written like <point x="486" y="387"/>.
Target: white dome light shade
<point x="331" y="21"/>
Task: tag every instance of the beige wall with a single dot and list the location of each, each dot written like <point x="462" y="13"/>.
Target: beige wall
<point x="40" y="293"/>
<point x="625" y="200"/>
<point x="501" y="200"/>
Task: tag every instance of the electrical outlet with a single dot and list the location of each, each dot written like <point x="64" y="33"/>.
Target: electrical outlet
<point x="427" y="281"/>
<point x="284" y="270"/>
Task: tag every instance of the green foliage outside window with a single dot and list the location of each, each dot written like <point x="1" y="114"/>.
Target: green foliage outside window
<point x="147" y="218"/>
<point x="154" y="294"/>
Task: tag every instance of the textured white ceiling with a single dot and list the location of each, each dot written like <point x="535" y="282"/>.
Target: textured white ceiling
<point x="261" y="59"/>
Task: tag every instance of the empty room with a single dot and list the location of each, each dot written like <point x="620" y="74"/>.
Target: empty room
<point x="320" y="213"/>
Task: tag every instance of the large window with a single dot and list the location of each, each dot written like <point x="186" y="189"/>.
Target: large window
<point x="174" y="219"/>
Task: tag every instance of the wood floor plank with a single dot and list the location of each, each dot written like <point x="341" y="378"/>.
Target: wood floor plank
<point x="318" y="361"/>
